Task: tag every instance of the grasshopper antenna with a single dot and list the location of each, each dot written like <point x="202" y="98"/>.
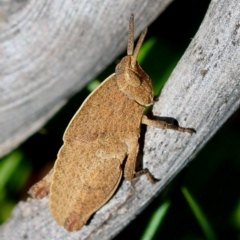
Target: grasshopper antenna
<point x="138" y="46"/>
<point x="130" y="48"/>
<point x="131" y="36"/>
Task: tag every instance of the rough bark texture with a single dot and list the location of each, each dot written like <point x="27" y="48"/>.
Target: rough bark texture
<point x="50" y="49"/>
<point x="202" y="92"/>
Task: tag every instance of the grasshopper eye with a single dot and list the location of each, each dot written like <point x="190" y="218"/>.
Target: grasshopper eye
<point x="132" y="78"/>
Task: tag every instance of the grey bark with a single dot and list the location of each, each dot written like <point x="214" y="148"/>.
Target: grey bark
<point x="202" y="93"/>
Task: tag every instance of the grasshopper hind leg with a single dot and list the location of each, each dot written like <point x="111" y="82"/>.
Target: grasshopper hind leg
<point x="74" y="222"/>
<point x="41" y="189"/>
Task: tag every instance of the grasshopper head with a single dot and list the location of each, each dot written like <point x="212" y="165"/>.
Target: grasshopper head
<point x="131" y="78"/>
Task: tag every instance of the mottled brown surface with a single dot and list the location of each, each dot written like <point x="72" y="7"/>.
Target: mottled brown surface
<point x="101" y="134"/>
<point x="89" y="165"/>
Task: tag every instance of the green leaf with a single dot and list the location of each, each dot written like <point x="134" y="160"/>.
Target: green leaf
<point x="146" y="47"/>
<point x="155" y="221"/>
<point x="198" y="213"/>
<point x="93" y="85"/>
<point x="7" y="167"/>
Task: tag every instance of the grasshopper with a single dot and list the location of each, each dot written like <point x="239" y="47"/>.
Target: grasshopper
<point x="101" y="143"/>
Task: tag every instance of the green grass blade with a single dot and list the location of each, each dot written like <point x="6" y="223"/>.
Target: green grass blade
<point x="155" y="221"/>
<point x="198" y="213"/>
<point x="146" y="47"/>
<point x="8" y="166"/>
<point x="235" y="218"/>
<point x="93" y="85"/>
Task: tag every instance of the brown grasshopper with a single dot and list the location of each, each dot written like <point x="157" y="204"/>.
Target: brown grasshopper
<point x="101" y="143"/>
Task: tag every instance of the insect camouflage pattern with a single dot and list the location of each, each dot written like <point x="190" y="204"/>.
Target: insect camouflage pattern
<point x="101" y="143"/>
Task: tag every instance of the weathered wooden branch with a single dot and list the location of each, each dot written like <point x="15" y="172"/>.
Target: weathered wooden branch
<point x="202" y="92"/>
